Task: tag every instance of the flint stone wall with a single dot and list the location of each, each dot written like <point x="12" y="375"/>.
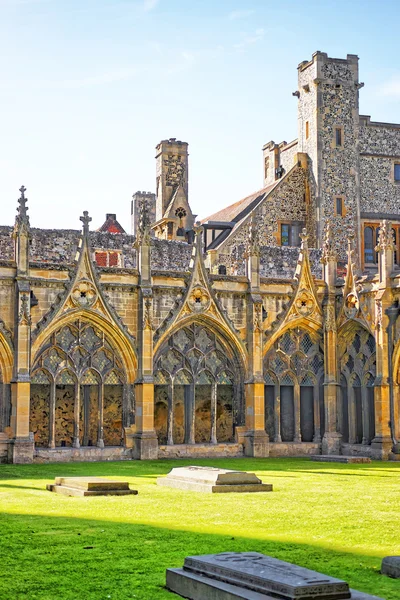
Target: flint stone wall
<point x="170" y="255"/>
<point x="281" y="261"/>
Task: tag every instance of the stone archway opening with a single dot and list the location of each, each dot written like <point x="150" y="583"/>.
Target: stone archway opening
<point x="197" y="383"/>
<point x="79" y="395"/>
<point x="293" y="371"/>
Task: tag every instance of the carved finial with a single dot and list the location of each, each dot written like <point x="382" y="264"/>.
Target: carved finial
<point x="22" y="217"/>
<point x="304" y="237"/>
<point x="385" y="237"/>
<point x="144" y="216"/>
<point x="328" y="248"/>
<point x="85" y="220"/>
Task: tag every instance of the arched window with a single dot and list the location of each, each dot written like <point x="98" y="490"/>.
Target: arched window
<point x="369" y="246"/>
<point x="294" y="367"/>
<point x="357" y="364"/>
<point x="82" y="397"/>
<point x="200" y="395"/>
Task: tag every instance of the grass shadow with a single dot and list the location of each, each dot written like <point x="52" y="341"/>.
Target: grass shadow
<point x="64" y="558"/>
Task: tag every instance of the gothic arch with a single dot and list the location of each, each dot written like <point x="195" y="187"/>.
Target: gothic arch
<point x="121" y="342"/>
<point x="199" y="379"/>
<point x="293" y="370"/>
<point x="230" y="340"/>
<point x="79" y="393"/>
<point x="357" y="368"/>
<point x="6" y="359"/>
<point x="312" y="327"/>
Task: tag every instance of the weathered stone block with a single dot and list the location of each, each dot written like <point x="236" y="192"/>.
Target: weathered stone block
<point x="391" y="566"/>
<point x="209" y="479"/>
<point x="89" y="486"/>
<point x="254" y="576"/>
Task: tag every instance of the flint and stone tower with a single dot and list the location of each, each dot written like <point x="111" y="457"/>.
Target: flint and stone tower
<point x="174" y="217"/>
<point x="328" y="132"/>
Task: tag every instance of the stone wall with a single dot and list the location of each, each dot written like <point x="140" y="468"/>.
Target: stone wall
<point x="170" y="256"/>
<point x="379" y="146"/>
<point x="285" y="203"/>
<point x="6" y="244"/>
<point x="281" y="261"/>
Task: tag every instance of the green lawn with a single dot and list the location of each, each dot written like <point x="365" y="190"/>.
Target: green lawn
<point x="337" y="519"/>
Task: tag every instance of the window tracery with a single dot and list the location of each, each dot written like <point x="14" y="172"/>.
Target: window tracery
<point x="78" y="352"/>
<point x="295" y="356"/>
<point x="194" y="354"/>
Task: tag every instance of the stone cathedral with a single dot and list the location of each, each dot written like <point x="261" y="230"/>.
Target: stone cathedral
<point x="269" y="328"/>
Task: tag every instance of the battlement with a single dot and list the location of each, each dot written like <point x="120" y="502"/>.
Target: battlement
<point x="171" y="144"/>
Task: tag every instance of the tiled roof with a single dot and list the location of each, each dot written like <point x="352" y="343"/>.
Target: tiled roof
<point x="235" y="212"/>
<point x="111" y="225"/>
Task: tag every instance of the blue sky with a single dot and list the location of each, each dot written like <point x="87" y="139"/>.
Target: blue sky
<point x="89" y="87"/>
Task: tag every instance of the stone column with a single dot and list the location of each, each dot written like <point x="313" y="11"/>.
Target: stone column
<point x="351" y="403"/>
<point x="52" y="415"/>
<point x="100" y="426"/>
<point x="277" y="415"/>
<point x="256" y="438"/>
<point x="382" y="442"/>
<point x="365" y="416"/>
<point x="145" y="443"/>
<point x="331" y="441"/>
<point x="317" y="416"/>
<point x="296" y="401"/>
<point x="77" y="411"/>
<point x="21" y="447"/>
<point x="170" y="421"/>
<point x="192" y="419"/>
<point x="214" y="413"/>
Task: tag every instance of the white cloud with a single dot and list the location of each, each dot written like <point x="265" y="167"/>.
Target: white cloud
<point x="149" y="5"/>
<point x="392" y="87"/>
<point x="240" y="14"/>
<point x="249" y="39"/>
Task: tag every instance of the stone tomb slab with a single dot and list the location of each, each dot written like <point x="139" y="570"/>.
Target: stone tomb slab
<point x="210" y="479"/>
<point x="391" y="566"/>
<point x="254" y="576"/>
<point x="340" y="458"/>
<point x="90" y="486"/>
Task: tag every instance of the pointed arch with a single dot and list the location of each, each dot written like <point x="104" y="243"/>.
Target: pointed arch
<point x="310" y="326"/>
<point x="230" y="341"/>
<point x="6" y="359"/>
<point x="121" y="342"/>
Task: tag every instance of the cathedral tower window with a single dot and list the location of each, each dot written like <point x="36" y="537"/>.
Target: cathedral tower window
<point x="338" y="137"/>
<point x="340" y="209"/>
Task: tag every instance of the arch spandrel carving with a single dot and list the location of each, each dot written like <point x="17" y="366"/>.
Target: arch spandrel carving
<point x="200" y="305"/>
<point x="84" y="299"/>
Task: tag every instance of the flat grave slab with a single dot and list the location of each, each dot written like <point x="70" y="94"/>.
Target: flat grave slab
<point x="89" y="486"/>
<point x="210" y="479"/>
<point x="391" y="566"/>
<point x="254" y="576"/>
<point x="340" y="459"/>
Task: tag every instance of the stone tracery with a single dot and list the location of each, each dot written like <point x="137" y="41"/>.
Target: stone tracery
<point x="196" y="388"/>
<point x="77" y="397"/>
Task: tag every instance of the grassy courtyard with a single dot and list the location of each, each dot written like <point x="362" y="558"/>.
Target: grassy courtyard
<point x="337" y="519"/>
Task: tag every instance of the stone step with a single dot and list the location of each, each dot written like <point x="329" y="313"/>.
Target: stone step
<point x="212" y="480"/>
<point x="254" y="576"/>
<point x="90" y="486"/>
<point x="71" y="491"/>
<point x="340" y="458"/>
<point x="92" y="483"/>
